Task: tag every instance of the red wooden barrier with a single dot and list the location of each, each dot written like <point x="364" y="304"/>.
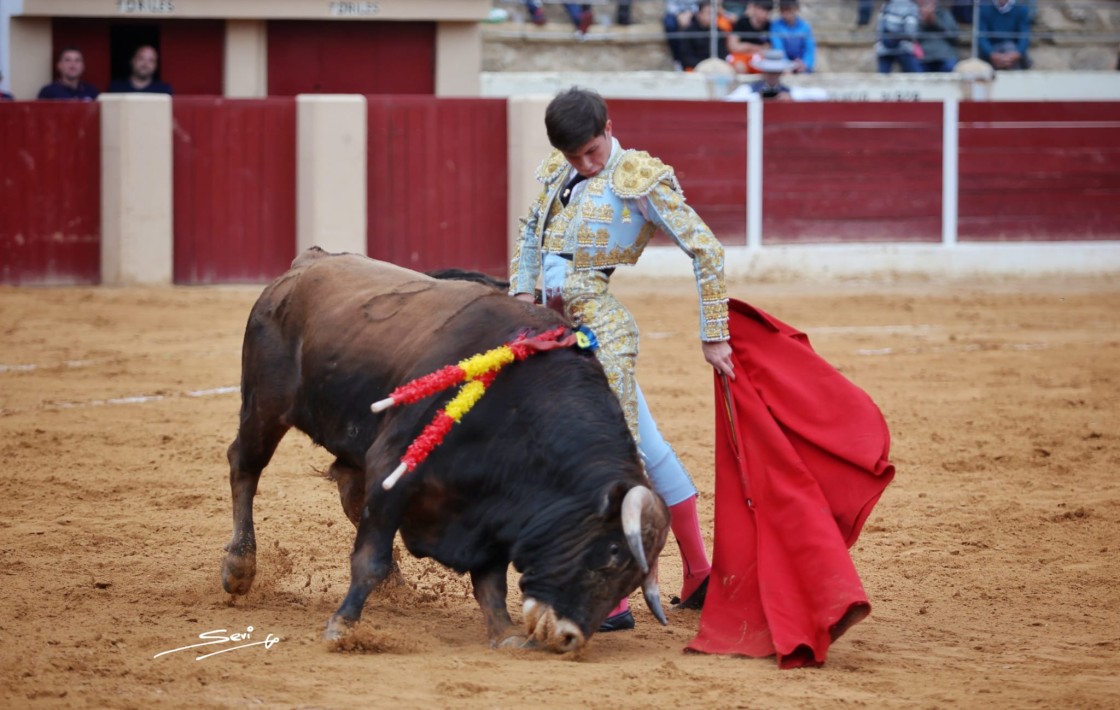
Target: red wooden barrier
<point x="328" y="57"/>
<point x="706" y="143"/>
<point x="235" y="189"/>
<point x="437" y="183"/>
<point x="851" y="172"/>
<point x="50" y="192"/>
<point x="1039" y="171"/>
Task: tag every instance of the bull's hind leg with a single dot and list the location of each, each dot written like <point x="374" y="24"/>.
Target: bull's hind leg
<point x="268" y="383"/>
<point x="248" y="455"/>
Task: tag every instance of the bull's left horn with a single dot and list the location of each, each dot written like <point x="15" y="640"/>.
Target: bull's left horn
<point x="637" y="500"/>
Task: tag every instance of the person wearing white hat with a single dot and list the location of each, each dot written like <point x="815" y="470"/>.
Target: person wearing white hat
<point x="771" y="64"/>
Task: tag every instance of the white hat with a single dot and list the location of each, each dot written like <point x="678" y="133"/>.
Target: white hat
<point x="773" y="61"/>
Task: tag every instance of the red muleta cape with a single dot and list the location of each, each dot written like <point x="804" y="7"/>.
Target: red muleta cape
<point x="801" y="458"/>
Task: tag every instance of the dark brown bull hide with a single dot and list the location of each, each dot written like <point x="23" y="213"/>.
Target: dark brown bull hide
<point x="542" y="472"/>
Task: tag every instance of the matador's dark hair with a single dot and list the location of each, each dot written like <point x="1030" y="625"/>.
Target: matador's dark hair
<point x="574" y="117"/>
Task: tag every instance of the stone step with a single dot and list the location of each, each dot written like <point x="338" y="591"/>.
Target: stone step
<point x="1068" y="35"/>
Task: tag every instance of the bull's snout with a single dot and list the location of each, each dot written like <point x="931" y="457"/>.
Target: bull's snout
<point x="543" y="627"/>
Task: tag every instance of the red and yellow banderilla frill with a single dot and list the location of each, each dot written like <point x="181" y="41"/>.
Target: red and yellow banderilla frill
<point x="476" y="373"/>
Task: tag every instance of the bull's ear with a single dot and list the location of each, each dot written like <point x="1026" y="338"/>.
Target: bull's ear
<point x="610" y="506"/>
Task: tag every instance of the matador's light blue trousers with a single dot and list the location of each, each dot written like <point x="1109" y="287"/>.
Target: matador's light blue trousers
<point x="666" y="472"/>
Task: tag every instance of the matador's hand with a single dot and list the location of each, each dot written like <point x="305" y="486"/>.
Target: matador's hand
<point x="718" y="355"/>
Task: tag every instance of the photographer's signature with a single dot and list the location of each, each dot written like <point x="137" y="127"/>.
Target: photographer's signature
<point x="220" y="636"/>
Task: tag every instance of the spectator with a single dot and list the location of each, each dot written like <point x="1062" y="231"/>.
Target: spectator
<point x="1004" y="33"/>
<point x="794" y="36"/>
<point x="697" y="46"/>
<point x="145" y="61"/>
<point x="938" y="36"/>
<point x="69" y="84"/>
<point x="962" y="11"/>
<point x="580" y="15"/>
<point x="863" y="19"/>
<point x="897" y="29"/>
<point x="771" y="64"/>
<point x="4" y="95"/>
<point x="678" y="16"/>
<point x="750" y="35"/>
<point x="623" y="16"/>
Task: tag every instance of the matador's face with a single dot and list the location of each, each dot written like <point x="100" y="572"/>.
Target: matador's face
<point x="590" y="158"/>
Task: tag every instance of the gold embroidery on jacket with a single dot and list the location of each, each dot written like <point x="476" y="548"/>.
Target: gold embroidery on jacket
<point x="637" y="173"/>
<point x="584" y="236"/>
<point x="592" y="212"/>
<point x="551" y="167"/>
<point x="554" y="243"/>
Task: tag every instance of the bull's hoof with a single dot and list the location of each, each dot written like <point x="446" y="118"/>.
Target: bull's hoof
<point x="238" y="572"/>
<point x="337" y="627"/>
<point x="514" y="641"/>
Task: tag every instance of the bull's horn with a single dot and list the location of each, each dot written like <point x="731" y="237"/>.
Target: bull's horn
<point x="652" y="594"/>
<point x="637" y="500"/>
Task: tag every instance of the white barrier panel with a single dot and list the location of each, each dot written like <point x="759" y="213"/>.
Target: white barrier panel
<point x="528" y="146"/>
<point x="136" y="205"/>
<point x="331" y="172"/>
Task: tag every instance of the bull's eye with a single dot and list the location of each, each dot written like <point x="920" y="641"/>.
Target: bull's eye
<point x="615" y="549"/>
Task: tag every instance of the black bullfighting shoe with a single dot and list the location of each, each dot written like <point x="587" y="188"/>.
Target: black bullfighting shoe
<point x="619" y="622"/>
<point x="694" y="601"/>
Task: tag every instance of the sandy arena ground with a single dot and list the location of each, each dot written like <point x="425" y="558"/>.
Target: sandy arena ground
<point x="991" y="561"/>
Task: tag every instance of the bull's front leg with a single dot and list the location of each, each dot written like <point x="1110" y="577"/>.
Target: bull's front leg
<point x="371" y="563"/>
<point x="490" y="590"/>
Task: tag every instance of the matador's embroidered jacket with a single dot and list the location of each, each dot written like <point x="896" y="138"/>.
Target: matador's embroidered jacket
<point x="611" y="220"/>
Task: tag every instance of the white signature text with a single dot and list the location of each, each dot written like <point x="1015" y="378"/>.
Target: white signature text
<point x="220" y="636"/>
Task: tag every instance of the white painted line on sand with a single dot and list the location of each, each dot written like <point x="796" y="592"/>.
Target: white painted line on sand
<point x="115" y="401"/>
<point x="31" y="368"/>
<point x="971" y="347"/>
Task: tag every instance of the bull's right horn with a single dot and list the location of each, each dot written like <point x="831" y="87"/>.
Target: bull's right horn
<point x="651" y="592"/>
<point x="638" y="500"/>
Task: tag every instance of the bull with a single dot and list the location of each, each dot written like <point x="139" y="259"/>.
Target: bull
<point x="542" y="473"/>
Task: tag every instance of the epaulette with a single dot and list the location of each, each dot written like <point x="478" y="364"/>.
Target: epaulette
<point x="638" y="172"/>
<point x="550" y="169"/>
